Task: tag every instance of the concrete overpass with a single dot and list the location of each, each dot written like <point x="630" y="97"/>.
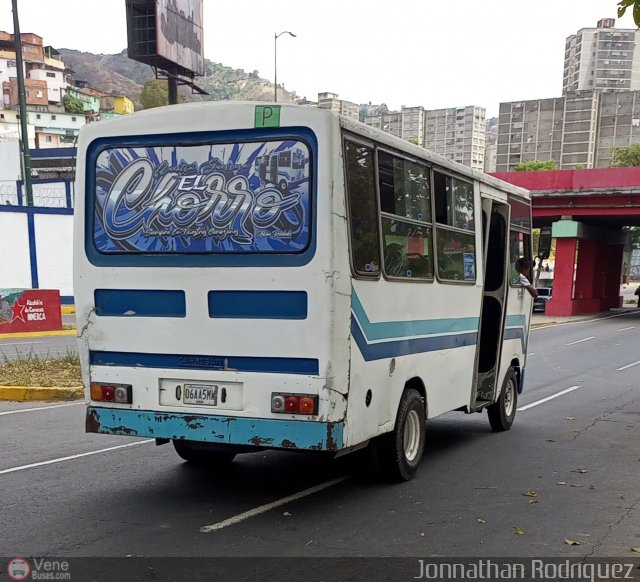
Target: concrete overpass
<point x="586" y="210"/>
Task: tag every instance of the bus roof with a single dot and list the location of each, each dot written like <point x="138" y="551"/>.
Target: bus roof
<point x="145" y="122"/>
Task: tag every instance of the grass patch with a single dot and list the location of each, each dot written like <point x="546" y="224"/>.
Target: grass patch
<point x="34" y="370"/>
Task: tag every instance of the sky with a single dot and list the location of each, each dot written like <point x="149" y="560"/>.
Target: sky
<point x="434" y="53"/>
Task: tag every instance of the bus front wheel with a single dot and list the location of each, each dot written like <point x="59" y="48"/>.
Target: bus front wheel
<point x="202" y="453"/>
<point x="396" y="455"/>
<point x="503" y="412"/>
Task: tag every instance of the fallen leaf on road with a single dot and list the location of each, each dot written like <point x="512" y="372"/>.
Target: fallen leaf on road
<point x="592" y="487"/>
<point x="571" y="542"/>
<point x="582" y="471"/>
<point x="517" y="531"/>
<point x="549" y="441"/>
<point x="286" y="513"/>
<point x="485" y="487"/>
<point x="531" y="493"/>
<point x="635" y="550"/>
<point x="572" y="485"/>
<point x="480" y="520"/>
<point x="570" y="417"/>
<point x="562" y="482"/>
<point x="532" y="501"/>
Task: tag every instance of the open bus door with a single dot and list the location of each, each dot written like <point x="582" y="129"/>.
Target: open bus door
<point x="495" y="221"/>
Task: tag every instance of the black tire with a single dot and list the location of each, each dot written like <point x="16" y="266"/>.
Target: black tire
<point x="282" y="185"/>
<point x="395" y="456"/>
<point x="503" y="412"/>
<point x="203" y="453"/>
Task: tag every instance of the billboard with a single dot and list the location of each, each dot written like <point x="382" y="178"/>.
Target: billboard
<point x="166" y="34"/>
<point x="179" y="33"/>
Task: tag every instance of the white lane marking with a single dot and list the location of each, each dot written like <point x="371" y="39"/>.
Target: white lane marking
<point x="633" y="312"/>
<point x="543" y="400"/>
<point x="626" y="328"/>
<point x="582" y="340"/>
<point x="72" y="457"/>
<point x="19" y="343"/>
<point x="269" y="506"/>
<point x="629" y="366"/>
<point x="40" y="408"/>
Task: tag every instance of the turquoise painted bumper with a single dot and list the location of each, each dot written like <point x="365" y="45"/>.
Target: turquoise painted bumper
<point x="260" y="432"/>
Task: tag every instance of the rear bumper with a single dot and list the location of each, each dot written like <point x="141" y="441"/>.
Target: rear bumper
<point x="233" y="430"/>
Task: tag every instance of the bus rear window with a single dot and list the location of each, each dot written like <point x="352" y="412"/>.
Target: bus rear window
<point x="250" y="197"/>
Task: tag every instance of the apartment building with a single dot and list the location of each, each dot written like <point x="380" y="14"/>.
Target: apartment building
<point x="576" y="130"/>
<point x="457" y="133"/>
<point x="333" y="102"/>
<point x="604" y="58"/>
<point x="408" y="123"/>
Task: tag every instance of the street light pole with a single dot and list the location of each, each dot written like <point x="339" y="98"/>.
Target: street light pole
<point x="275" y="62"/>
<point x="22" y="100"/>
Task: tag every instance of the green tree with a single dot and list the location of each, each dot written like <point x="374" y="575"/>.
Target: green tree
<point x="155" y="93"/>
<point x="634" y="5"/>
<point x="623" y="157"/>
<point x="535" y="166"/>
<point x="72" y="104"/>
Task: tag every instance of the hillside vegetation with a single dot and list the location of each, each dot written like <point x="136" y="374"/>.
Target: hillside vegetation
<point x="119" y="75"/>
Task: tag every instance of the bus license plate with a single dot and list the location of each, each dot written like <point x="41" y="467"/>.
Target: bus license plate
<point x="206" y="395"/>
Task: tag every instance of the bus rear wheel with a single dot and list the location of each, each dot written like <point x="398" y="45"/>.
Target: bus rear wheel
<point x="396" y="455"/>
<point x="503" y="412"/>
<point x="202" y="453"/>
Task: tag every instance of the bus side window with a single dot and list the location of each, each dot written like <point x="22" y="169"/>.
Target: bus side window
<point x="363" y="212"/>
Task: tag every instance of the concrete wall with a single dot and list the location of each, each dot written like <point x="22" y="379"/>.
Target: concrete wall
<point x="36" y="242"/>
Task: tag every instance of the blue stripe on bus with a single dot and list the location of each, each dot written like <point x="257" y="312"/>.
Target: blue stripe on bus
<point x="258" y="304"/>
<point x="284" y="434"/>
<point x="400" y="329"/>
<point x="140" y="303"/>
<point x="391" y="349"/>
<point x="307" y="366"/>
<point x="516" y="333"/>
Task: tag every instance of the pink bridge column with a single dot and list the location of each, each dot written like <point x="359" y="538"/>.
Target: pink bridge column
<point x="561" y="302"/>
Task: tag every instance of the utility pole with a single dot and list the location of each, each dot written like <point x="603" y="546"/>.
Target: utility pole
<point x="172" y="85"/>
<point x="22" y="99"/>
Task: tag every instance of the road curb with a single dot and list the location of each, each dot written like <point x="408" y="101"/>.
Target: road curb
<point x="66" y="309"/>
<point x="27" y="334"/>
<point x="31" y="393"/>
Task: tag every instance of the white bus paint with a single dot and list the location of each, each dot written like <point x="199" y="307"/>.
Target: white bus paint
<point x="229" y="253"/>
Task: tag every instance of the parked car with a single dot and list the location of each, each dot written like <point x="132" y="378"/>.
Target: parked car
<point x="540" y="302"/>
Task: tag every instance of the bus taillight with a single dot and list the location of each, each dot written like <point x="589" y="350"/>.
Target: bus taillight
<point x="120" y="393"/>
<point x="294" y="403"/>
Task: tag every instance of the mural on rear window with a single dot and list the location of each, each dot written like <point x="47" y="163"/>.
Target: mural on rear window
<point x="216" y="198"/>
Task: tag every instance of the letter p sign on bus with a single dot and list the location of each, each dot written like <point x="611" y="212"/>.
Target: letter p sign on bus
<point x="267" y="116"/>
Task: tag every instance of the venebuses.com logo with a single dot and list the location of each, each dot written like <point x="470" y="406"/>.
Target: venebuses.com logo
<point x="38" y="569"/>
<point x="18" y="569"/>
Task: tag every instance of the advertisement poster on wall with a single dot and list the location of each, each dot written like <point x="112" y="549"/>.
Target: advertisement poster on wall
<point x="25" y="310"/>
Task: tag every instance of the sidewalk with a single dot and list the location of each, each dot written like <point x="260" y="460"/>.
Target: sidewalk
<point x="541" y="320"/>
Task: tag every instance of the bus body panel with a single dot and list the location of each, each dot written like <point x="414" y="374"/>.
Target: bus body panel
<point x="356" y="335"/>
<point x="150" y="352"/>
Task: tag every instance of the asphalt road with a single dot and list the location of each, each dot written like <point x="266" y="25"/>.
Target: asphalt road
<point x="577" y="455"/>
<point x="42" y="347"/>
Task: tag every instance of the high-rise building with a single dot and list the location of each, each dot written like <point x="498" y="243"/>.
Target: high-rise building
<point x="407" y="124"/>
<point x="457" y="134"/>
<point x="602" y="58"/>
<point x="576" y="130"/>
<point x="333" y="102"/>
